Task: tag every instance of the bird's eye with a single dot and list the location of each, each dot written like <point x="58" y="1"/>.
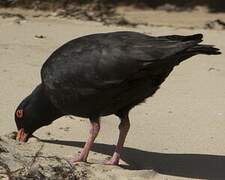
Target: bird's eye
<point x="19" y="113"/>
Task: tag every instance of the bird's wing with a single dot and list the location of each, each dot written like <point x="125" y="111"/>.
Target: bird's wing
<point x="127" y="60"/>
<point x="105" y="61"/>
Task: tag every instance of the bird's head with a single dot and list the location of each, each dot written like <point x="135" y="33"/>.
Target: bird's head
<point x="27" y="121"/>
<point x="34" y="112"/>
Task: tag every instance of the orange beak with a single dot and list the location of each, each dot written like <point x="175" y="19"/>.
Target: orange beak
<point x="21" y="135"/>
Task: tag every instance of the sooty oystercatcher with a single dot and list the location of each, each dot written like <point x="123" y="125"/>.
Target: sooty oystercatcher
<point x="102" y="74"/>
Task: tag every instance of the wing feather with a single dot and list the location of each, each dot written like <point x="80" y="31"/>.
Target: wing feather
<point x="105" y="60"/>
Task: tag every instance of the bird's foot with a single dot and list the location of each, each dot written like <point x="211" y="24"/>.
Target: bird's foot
<point x="77" y="159"/>
<point x="114" y="160"/>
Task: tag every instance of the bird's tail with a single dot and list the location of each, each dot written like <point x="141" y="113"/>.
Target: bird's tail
<point x="194" y="49"/>
<point x="197" y="48"/>
<point x="204" y="49"/>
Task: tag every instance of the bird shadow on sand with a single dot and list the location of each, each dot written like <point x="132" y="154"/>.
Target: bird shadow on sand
<point x="201" y="166"/>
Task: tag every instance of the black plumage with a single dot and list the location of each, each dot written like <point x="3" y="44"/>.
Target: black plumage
<point x="102" y="74"/>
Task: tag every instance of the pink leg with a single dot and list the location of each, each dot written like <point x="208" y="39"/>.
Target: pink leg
<point x="95" y="127"/>
<point x="123" y="128"/>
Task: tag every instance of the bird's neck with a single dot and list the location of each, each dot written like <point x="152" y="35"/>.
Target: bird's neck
<point x="41" y="105"/>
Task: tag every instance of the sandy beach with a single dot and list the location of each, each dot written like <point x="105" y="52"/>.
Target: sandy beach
<point x="176" y="134"/>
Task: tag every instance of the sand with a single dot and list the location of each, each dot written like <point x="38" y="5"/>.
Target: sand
<point x="178" y="133"/>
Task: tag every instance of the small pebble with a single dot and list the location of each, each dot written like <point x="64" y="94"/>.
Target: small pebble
<point x="48" y="133"/>
<point x="40" y="36"/>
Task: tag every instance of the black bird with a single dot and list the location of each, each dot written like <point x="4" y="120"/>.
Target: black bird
<point x="102" y="74"/>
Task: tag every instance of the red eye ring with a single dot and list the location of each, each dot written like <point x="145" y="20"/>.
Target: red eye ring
<point x="19" y="113"/>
